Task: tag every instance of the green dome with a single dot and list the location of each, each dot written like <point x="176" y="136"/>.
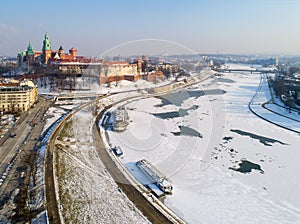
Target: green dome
<point x="30" y="50"/>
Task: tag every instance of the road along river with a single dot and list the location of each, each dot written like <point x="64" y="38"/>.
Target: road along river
<point x="78" y="151"/>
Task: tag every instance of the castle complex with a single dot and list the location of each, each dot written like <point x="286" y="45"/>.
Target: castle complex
<point x="58" y="62"/>
<point x="47" y="55"/>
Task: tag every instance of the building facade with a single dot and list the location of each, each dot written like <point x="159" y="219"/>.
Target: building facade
<point x="17" y="96"/>
<point x="115" y="71"/>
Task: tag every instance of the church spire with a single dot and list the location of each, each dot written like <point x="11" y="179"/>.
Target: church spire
<point x="30" y="50"/>
<point x="46" y="43"/>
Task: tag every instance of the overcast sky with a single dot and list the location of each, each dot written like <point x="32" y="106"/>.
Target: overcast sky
<point x="153" y="26"/>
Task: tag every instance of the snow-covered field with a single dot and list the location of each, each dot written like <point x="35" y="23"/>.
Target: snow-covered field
<point x="52" y="114"/>
<point x="199" y="138"/>
<point x="87" y="193"/>
<point x="51" y="87"/>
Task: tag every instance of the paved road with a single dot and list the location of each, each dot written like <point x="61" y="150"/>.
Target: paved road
<point x="52" y="205"/>
<point x="19" y="174"/>
<point x="132" y="193"/>
<point x="22" y="131"/>
<point x="259" y="107"/>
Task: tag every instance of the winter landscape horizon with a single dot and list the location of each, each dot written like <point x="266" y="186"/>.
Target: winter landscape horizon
<point x="150" y="112"/>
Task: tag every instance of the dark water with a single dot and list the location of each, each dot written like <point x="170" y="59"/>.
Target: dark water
<point x="227" y="138"/>
<point x="175" y="114"/>
<point x="264" y="140"/>
<point x="186" y="131"/>
<point x="177" y="98"/>
<point x="247" y="166"/>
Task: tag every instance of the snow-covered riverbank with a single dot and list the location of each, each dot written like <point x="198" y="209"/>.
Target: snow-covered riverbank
<point x="87" y="193"/>
<point x="199" y="136"/>
<point x="267" y="106"/>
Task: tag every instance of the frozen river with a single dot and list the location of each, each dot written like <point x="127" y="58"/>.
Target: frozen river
<point x="226" y="164"/>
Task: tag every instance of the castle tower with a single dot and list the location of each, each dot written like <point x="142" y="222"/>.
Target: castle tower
<point x="144" y="57"/>
<point x="144" y="63"/>
<point x="61" y="53"/>
<point x="139" y="66"/>
<point x="30" y="54"/>
<point x="46" y="55"/>
<point x="73" y="52"/>
<point x="20" y="59"/>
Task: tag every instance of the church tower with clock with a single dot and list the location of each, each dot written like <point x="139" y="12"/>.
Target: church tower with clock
<point x="46" y="54"/>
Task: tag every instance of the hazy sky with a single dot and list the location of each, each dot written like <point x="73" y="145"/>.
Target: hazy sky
<point x="210" y="26"/>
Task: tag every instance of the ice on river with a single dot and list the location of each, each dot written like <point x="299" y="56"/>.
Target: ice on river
<point x="207" y="186"/>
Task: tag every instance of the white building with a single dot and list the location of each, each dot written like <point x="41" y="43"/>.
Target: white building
<point x="17" y="96"/>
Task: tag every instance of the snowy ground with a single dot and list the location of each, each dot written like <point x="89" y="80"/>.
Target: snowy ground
<point x="203" y="162"/>
<point x="125" y="85"/>
<point x="53" y="87"/>
<point x="51" y="115"/>
<point x="87" y="193"/>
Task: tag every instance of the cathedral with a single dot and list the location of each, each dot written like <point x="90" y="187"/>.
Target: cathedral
<point x="30" y="57"/>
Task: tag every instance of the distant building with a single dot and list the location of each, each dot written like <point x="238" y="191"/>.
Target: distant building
<point x="112" y="71"/>
<point x="276" y="61"/>
<point x="117" y="70"/>
<point x="30" y="57"/>
<point x="17" y="96"/>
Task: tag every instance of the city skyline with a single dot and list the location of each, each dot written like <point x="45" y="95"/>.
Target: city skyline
<point x="173" y="27"/>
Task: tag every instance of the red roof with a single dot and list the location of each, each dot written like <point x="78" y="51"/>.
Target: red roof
<point x="117" y="63"/>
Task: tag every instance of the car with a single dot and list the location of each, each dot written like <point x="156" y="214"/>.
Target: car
<point x="12" y="135"/>
<point x="117" y="150"/>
